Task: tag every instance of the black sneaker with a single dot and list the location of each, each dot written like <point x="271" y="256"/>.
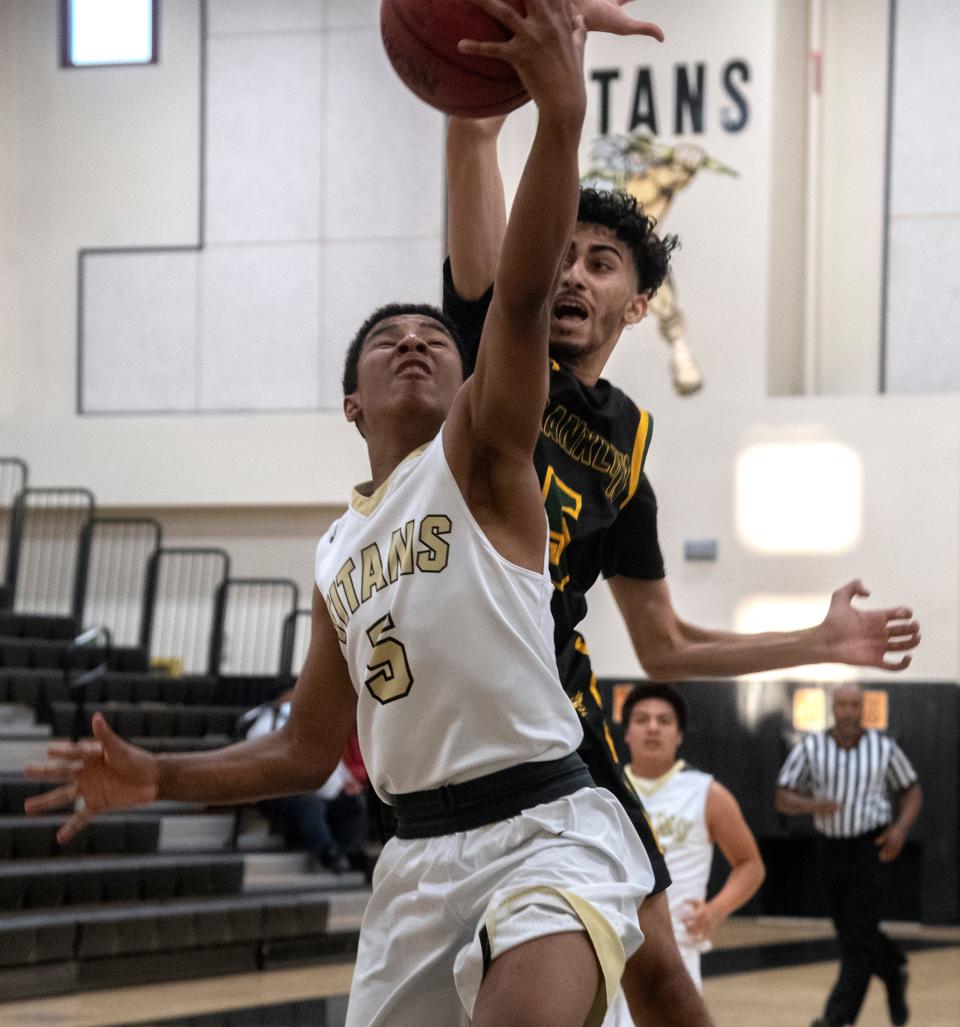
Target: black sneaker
<point x="897" y="998"/>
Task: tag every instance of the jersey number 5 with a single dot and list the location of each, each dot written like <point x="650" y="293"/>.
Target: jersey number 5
<point x="389" y="674"/>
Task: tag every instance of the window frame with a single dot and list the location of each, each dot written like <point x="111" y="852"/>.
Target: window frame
<point x="65" y="40"/>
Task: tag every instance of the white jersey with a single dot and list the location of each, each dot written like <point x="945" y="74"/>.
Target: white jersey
<point x="677" y="805"/>
<point x="449" y="645"/>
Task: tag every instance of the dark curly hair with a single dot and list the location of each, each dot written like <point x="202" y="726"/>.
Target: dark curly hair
<point x="655" y="691"/>
<point x="381" y="314"/>
<point x="624" y="216"/>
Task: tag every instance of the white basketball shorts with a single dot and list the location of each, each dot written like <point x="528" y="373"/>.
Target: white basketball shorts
<point x="575" y="864"/>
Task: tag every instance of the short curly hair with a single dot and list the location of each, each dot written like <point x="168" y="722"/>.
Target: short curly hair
<point x="623" y="215"/>
<point x="350" y="363"/>
<point x="653" y="690"/>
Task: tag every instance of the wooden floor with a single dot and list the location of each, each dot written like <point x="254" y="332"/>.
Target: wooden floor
<point x="792" y="997"/>
<point x="786" y="997"/>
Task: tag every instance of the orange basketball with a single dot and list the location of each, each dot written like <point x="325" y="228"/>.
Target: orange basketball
<point x="421" y="37"/>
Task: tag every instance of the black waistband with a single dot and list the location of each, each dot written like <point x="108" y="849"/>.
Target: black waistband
<point x="853" y="839"/>
<point x="485" y="800"/>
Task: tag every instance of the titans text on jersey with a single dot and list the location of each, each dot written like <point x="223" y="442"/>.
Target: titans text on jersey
<point x="413" y="547"/>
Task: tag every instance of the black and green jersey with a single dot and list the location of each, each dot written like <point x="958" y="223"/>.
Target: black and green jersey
<point x="600" y="506"/>
<point x="602" y="516"/>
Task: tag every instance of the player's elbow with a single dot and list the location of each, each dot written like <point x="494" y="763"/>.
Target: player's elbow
<point x="301" y="767"/>
<point x="657" y="672"/>
<point x="661" y="651"/>
<point x="660" y="663"/>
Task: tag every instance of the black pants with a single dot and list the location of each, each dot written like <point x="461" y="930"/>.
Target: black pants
<point x="853" y="877"/>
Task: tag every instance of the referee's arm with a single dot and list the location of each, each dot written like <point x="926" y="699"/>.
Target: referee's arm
<point x="890" y="842"/>
<point x="795" y="804"/>
<point x="794" y="783"/>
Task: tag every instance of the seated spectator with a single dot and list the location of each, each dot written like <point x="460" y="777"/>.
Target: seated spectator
<point x="331" y="822"/>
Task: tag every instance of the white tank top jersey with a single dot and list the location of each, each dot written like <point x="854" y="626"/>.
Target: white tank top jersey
<point x="677" y="805"/>
<point x="449" y="645"/>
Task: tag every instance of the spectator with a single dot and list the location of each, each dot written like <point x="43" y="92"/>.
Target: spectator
<point x="332" y="822"/>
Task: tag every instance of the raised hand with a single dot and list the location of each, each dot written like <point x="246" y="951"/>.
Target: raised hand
<point x="864" y="638"/>
<point x="93" y="776"/>
<point x="607" y="16"/>
<point x="546" y="48"/>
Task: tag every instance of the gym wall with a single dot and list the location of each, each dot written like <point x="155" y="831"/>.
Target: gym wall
<point x="111" y="158"/>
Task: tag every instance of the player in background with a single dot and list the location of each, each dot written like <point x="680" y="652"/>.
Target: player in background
<point x="691" y="812"/>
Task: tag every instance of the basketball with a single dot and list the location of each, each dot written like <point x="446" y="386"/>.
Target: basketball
<point x="421" y="37"/>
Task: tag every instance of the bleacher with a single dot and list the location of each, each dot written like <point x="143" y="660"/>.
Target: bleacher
<point x="96" y="614"/>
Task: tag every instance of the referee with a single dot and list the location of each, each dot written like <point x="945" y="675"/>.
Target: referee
<point x="845" y="778"/>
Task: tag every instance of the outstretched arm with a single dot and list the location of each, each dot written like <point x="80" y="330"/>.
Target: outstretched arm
<point x="108" y="773"/>
<point x="670" y="649"/>
<point x="492" y="428"/>
<point x="476" y="208"/>
<point x="729" y="830"/>
<point x="509" y="388"/>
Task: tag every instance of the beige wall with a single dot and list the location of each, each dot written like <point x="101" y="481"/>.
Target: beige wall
<point x="265" y="486"/>
<point x="102" y="154"/>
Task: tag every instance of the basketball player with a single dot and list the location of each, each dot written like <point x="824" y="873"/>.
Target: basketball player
<point x="509" y="895"/>
<point x="602" y="509"/>
<point x="691" y="812"/>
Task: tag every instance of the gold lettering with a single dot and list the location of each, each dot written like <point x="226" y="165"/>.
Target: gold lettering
<point x="400" y="556"/>
<point x="433" y="559"/>
<point x="336" y="605"/>
<point x="575" y="438"/>
<point x="672" y="827"/>
<point x="344" y="581"/>
<point x="552" y="419"/>
<point x="371" y="572"/>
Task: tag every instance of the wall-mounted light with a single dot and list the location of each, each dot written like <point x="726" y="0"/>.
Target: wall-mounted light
<point x="105" y="32"/>
<point x="799" y="497"/>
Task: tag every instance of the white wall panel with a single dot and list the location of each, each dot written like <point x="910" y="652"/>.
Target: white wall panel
<point x="139" y="332"/>
<point x="926" y="109"/>
<point x="384" y="162"/>
<point x="923" y="289"/>
<point x="264" y="121"/>
<point x="358" y="278"/>
<point x="235" y="16"/>
<point x="259" y="327"/>
<point x="923" y="305"/>
<point x="338" y="14"/>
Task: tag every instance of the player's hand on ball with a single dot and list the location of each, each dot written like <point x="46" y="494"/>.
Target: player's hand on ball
<point x="608" y="16"/>
<point x="93" y="775"/>
<point x="546" y="48"/>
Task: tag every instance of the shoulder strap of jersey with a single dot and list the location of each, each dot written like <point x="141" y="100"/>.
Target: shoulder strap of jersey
<point x="641" y="446"/>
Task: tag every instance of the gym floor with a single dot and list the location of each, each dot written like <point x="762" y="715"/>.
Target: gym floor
<point x="763" y="973"/>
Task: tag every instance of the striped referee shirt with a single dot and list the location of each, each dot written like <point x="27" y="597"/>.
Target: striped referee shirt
<point x="860" y="780"/>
